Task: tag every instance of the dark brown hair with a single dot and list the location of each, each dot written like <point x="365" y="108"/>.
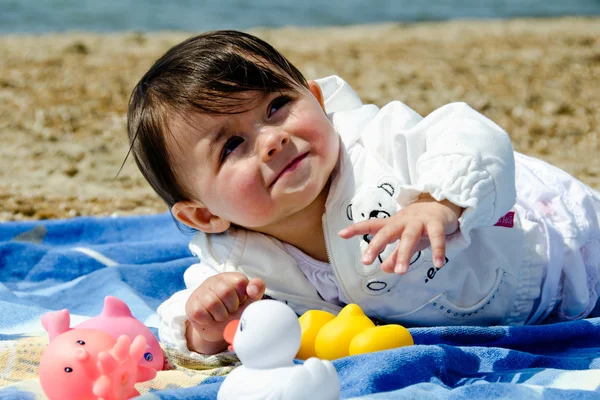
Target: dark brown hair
<point x="201" y="74"/>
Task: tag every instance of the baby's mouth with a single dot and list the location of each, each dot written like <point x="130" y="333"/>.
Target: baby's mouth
<point x="290" y="166"/>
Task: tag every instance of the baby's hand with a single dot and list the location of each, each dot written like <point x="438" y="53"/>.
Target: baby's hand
<point x="218" y="300"/>
<point x="424" y="222"/>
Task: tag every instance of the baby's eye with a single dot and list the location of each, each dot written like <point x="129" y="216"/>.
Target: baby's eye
<point x="230" y="146"/>
<point x="277" y="103"/>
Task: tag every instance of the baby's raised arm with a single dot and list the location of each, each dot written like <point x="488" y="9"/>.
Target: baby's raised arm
<point x="423" y="223"/>
<point x="454" y="156"/>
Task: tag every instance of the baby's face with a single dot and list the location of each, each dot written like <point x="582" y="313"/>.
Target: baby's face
<point x="259" y="167"/>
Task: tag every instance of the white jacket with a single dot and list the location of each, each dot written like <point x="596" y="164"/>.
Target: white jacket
<point x="389" y="156"/>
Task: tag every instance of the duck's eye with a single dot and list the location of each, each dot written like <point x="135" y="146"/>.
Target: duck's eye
<point x="81" y="342"/>
<point x="148" y="357"/>
<point x="241" y="325"/>
<point x="68" y="369"/>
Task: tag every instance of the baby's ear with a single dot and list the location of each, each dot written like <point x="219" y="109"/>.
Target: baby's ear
<point x="195" y="215"/>
<point x="315" y="89"/>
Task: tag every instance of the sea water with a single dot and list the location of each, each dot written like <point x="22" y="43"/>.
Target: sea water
<point x="39" y="16"/>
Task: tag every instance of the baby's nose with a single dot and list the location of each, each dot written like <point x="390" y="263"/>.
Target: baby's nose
<point x="273" y="143"/>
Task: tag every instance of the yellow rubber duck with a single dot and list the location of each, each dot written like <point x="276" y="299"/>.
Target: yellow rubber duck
<point x="329" y="337"/>
<point x="311" y="323"/>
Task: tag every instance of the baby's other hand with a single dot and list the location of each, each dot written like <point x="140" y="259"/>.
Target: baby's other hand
<point x="422" y="223"/>
<point x="218" y="300"/>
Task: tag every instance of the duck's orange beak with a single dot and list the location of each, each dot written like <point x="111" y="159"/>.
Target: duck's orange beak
<point x="229" y="333"/>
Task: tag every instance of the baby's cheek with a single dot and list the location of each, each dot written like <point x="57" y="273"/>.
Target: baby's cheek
<point x="245" y="190"/>
<point x="249" y="199"/>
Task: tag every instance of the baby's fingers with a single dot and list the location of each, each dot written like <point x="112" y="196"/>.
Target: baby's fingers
<point x="389" y="263"/>
<point x="408" y="242"/>
<point x="369" y="227"/>
<point x="205" y="308"/>
<point x="256" y="289"/>
<point x="231" y="291"/>
<point x="195" y="310"/>
<point x="384" y="237"/>
<point x="437" y="238"/>
<point x="215" y="307"/>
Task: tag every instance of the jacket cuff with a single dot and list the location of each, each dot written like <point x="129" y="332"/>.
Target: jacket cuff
<point x="171" y="329"/>
<point x="461" y="180"/>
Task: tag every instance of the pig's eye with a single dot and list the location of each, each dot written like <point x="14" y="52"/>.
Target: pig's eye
<point x="148" y="357"/>
<point x="68" y="369"/>
<point x="81" y="342"/>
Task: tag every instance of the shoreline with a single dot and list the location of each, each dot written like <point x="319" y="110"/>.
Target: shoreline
<point x="65" y="96"/>
<point x="310" y="28"/>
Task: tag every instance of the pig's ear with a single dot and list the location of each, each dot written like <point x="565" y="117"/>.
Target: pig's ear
<point x="115" y="307"/>
<point x="56" y="322"/>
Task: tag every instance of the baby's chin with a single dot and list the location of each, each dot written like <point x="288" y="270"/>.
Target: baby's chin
<point x="288" y="204"/>
<point x="289" y="216"/>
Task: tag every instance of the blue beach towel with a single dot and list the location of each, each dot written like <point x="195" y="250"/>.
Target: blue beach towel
<point x="75" y="263"/>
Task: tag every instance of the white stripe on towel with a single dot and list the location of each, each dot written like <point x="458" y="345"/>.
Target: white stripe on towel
<point x="97" y="256"/>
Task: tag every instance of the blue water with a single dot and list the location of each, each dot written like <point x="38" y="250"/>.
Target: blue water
<point x="38" y="16"/>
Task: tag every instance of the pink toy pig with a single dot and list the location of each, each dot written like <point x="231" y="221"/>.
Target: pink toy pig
<point x="90" y="364"/>
<point x="116" y="319"/>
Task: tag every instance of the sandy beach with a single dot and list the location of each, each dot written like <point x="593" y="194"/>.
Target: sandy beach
<point x="63" y="98"/>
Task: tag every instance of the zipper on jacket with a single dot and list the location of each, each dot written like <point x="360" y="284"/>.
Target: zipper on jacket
<point x="333" y="267"/>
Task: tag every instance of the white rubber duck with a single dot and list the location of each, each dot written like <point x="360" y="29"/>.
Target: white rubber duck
<point x="266" y="339"/>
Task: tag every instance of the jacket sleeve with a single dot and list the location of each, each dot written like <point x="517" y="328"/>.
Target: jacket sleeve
<point x="171" y="329"/>
<point x="454" y="153"/>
